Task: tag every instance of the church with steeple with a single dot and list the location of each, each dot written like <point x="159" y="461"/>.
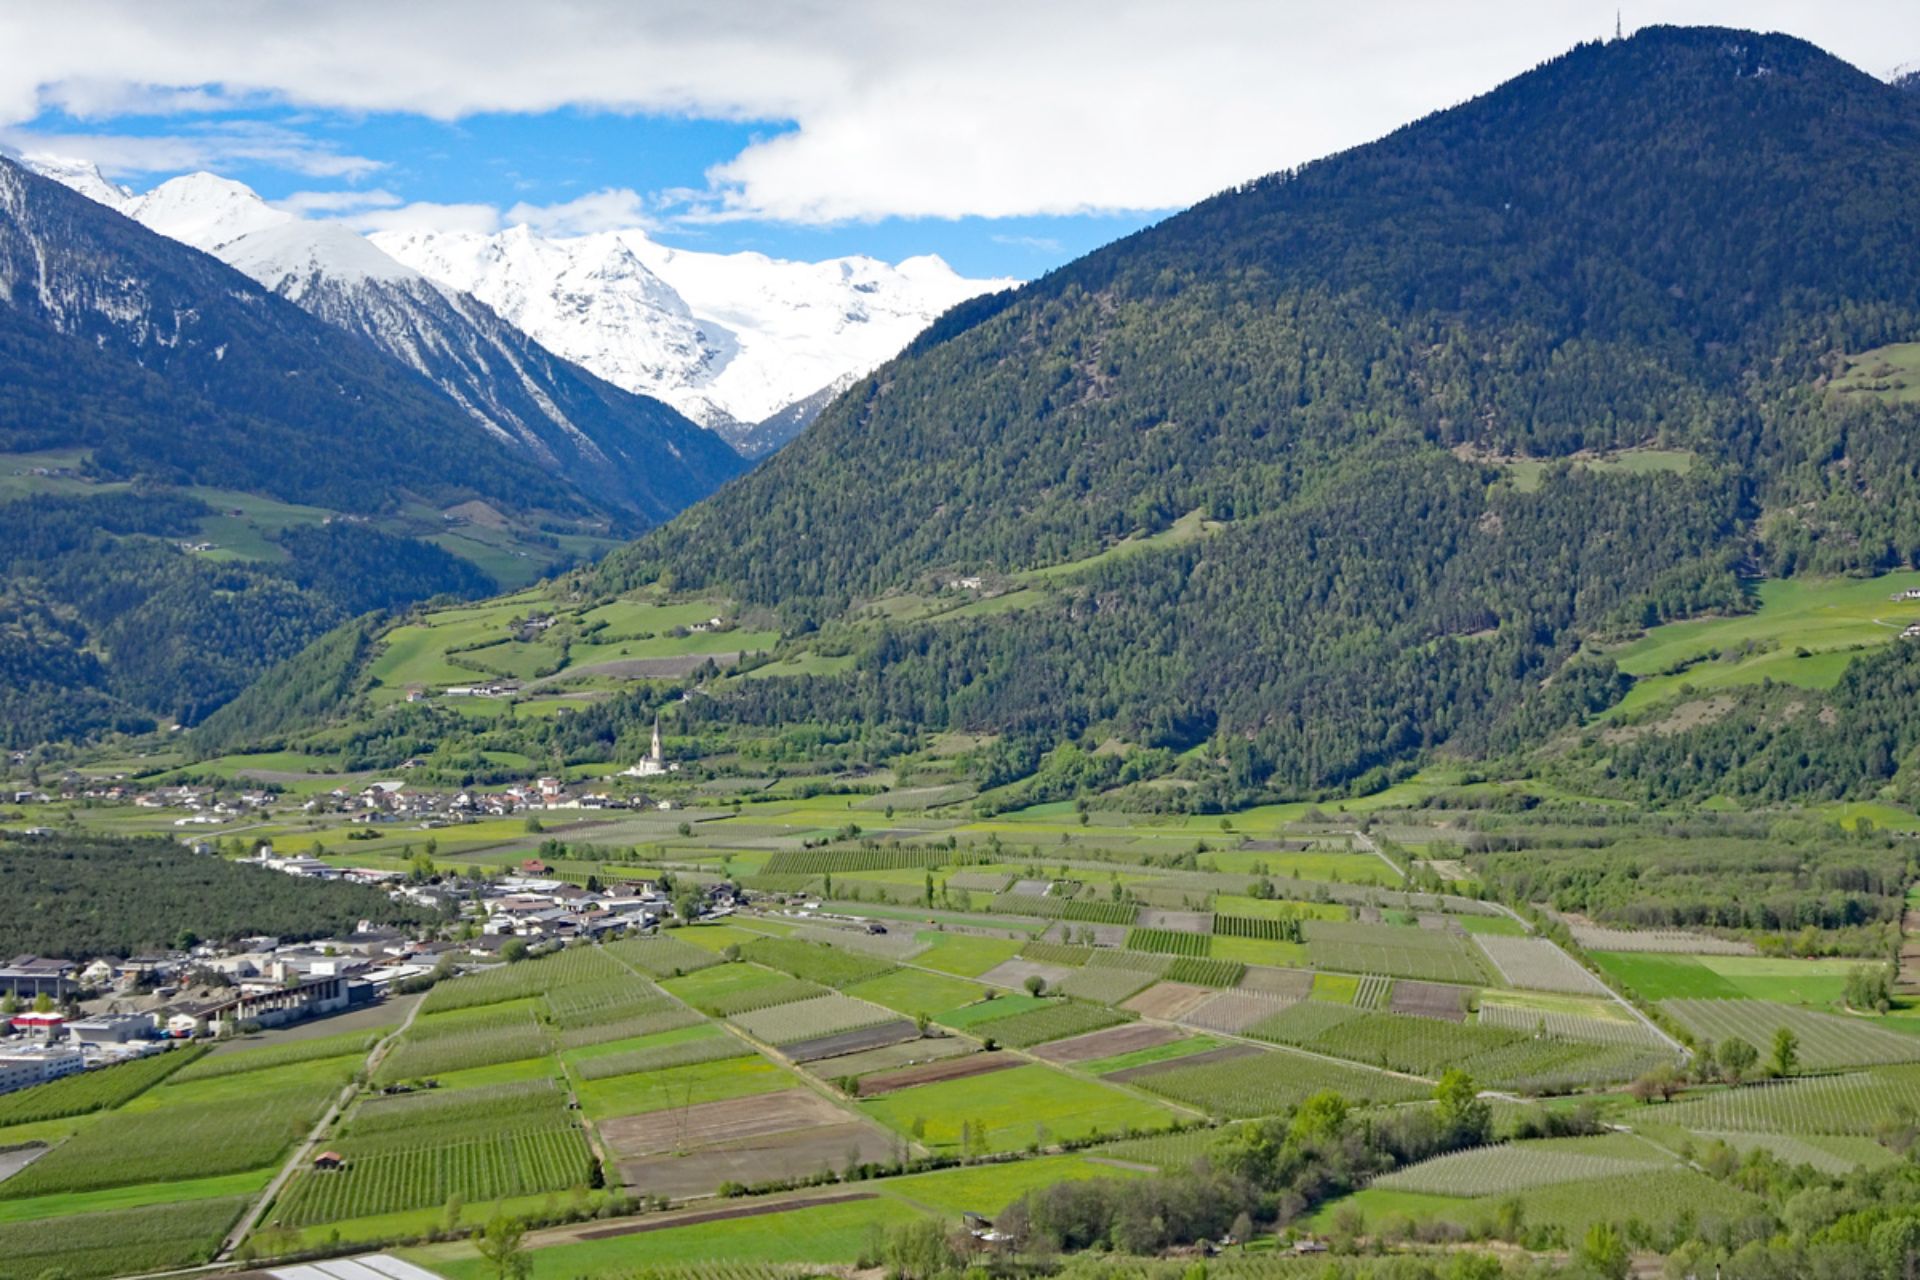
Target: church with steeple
<point x="655" y="762"/>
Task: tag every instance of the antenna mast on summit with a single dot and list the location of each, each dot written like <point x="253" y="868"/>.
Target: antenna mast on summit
<point x="1616" y="25"/>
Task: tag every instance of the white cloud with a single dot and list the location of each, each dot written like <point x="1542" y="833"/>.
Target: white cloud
<point x="1039" y="244"/>
<point x="208" y="145"/>
<point x="333" y="203"/>
<point x="425" y="215"/>
<point x="994" y="107"/>
<point x="609" y="210"/>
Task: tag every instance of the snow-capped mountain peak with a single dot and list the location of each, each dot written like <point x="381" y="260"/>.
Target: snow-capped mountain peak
<point x="81" y="175"/>
<point x="729" y="339"/>
<point x="732" y="340"/>
<point x="297" y="256"/>
<point x="204" y="210"/>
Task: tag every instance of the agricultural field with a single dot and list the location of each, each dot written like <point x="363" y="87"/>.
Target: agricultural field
<point x="1398" y="951"/>
<point x="475" y="1035"/>
<point x="1519" y="1166"/>
<point x="1205" y="972"/>
<point x="577" y="1008"/>
<point x="697" y="1044"/>
<point x="968" y="1017"/>
<point x="683" y="1086"/>
<point x="735" y="988"/>
<point x="418" y="1151"/>
<point x="573" y="966"/>
<point x="825" y="1014"/>
<point x="1658" y="976"/>
<point x="1856" y="1104"/>
<point x="1169" y="942"/>
<point x="1010" y="1110"/>
<point x="1429" y="1046"/>
<point x="1243" y="1085"/>
<point x="1679" y="941"/>
<point x="662" y="956"/>
<point x="240" y="1060"/>
<point x="1051" y="1020"/>
<point x="1566" y="1025"/>
<point x="966" y="956"/>
<point x="1825" y="1040"/>
<point x="1651" y="1195"/>
<point x="1537" y="965"/>
<point x="182" y="1132"/>
<point x="820" y="962"/>
<point x="1830" y="1154"/>
<point x="819" y="1229"/>
<point x="130" y="1241"/>
<point x="1103" y="986"/>
<point x="90" y="1091"/>
<point x="913" y="991"/>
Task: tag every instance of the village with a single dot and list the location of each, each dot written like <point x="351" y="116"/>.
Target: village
<point x="65" y="1015"/>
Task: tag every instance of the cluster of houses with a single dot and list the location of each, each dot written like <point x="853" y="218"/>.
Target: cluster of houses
<point x="202" y="804"/>
<point x="393" y="801"/>
<point x="70" y="1016"/>
<point x="535" y="908"/>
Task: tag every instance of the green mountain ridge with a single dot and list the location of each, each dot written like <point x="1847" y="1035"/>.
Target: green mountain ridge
<point x="1673" y="242"/>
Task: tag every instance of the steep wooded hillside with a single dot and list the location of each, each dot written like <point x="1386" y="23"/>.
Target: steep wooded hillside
<point x="1668" y="242"/>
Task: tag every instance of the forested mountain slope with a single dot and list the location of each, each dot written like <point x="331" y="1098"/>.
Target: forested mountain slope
<point x="198" y="477"/>
<point x="1666" y="241"/>
<point x="630" y="453"/>
<point x="201" y="375"/>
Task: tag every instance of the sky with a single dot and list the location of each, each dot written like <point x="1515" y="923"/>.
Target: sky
<point x="1007" y="136"/>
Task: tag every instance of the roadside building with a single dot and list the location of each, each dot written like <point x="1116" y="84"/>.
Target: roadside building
<point x="28" y="1065"/>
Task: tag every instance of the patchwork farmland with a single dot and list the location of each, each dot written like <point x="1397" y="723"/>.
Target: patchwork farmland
<point x="1027" y="1006"/>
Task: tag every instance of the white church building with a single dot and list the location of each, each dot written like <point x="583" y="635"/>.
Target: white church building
<point x="654" y="763"/>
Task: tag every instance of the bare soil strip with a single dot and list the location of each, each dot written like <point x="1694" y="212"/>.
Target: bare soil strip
<point x="1108" y="1043"/>
<point x="1168" y="999"/>
<point x="800" y="1153"/>
<point x="851" y="1041"/>
<point x="978" y="1064"/>
<point x="708" y="1123"/>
